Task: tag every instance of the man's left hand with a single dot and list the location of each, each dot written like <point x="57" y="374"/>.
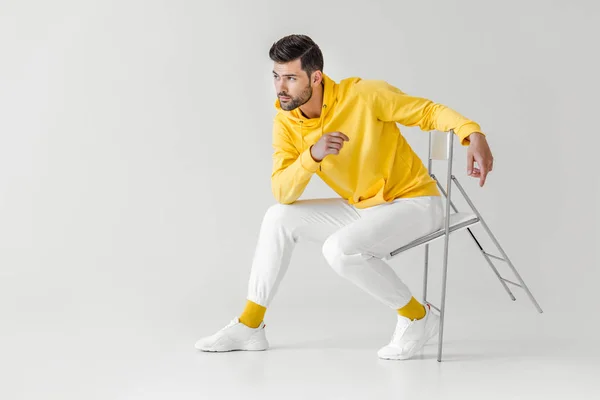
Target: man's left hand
<point x="479" y="152"/>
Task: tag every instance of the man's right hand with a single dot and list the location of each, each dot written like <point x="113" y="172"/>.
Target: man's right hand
<point x="329" y="143"/>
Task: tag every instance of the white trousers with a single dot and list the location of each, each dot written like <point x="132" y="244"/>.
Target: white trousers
<point x="355" y="242"/>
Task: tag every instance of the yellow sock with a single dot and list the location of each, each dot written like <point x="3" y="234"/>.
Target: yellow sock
<point x="413" y="310"/>
<point x="253" y="314"/>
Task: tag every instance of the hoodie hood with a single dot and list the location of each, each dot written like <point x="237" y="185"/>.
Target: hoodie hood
<point x="330" y="91"/>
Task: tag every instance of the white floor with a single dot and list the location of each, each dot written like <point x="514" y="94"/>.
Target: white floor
<point x="326" y="355"/>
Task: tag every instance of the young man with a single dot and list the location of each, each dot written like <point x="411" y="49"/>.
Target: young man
<point x="346" y="133"/>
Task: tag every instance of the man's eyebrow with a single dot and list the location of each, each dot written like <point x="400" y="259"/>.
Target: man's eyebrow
<point x="285" y="74"/>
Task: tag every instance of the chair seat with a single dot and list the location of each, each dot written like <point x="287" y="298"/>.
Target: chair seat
<point x="460" y="218"/>
<point x="458" y="221"/>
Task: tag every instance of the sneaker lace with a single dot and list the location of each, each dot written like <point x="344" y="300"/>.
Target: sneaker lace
<point x="230" y="324"/>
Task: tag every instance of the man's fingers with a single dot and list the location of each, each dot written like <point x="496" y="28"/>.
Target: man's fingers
<point x="341" y="135"/>
<point x="484" y="172"/>
<point x="333" y="139"/>
<point x="470" y="160"/>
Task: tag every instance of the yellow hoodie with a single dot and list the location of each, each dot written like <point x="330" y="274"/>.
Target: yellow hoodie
<point x="377" y="165"/>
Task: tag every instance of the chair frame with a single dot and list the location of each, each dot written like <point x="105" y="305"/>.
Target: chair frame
<point x="441" y="148"/>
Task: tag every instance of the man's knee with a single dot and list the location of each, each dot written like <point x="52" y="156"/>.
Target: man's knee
<point x="279" y="215"/>
<point x="338" y="256"/>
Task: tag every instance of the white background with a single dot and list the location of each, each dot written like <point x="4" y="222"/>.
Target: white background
<point x="135" y="159"/>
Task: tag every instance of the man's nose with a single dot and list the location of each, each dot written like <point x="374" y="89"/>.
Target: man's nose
<point x="281" y="88"/>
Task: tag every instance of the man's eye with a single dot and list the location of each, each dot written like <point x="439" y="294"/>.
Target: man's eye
<point x="291" y="78"/>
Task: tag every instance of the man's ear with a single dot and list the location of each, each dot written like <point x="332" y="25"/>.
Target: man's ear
<point x="317" y="77"/>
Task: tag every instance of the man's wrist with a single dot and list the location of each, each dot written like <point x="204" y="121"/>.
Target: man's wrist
<point x="308" y="162"/>
<point x="475" y="136"/>
<point x="311" y="154"/>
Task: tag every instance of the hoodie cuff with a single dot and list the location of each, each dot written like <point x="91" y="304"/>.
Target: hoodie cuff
<point x="466" y="130"/>
<point x="308" y="163"/>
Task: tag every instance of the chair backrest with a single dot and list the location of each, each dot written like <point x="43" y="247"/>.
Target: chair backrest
<point x="440" y="144"/>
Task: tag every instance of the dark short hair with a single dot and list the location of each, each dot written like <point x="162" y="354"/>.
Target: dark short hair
<point x="292" y="47"/>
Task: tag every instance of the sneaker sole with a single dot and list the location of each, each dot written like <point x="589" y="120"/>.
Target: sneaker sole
<point x="254" y="346"/>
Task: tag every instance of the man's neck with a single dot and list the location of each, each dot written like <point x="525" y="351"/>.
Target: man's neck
<point x="312" y="109"/>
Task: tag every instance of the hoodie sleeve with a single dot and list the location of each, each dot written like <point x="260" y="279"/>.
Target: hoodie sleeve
<point x="391" y="104"/>
<point x="292" y="169"/>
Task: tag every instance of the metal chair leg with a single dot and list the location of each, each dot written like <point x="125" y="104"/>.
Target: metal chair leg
<point x="443" y="302"/>
<point x="492" y="266"/>
<point x="426" y="270"/>
<point x="487" y="229"/>
<point x="446" y="243"/>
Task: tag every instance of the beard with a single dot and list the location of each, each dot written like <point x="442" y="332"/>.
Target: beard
<point x="296" y="102"/>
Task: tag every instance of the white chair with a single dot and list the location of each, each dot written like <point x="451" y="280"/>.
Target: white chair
<point x="441" y="148"/>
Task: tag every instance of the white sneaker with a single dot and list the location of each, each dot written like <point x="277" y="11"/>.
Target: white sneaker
<point x="235" y="336"/>
<point x="410" y="336"/>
